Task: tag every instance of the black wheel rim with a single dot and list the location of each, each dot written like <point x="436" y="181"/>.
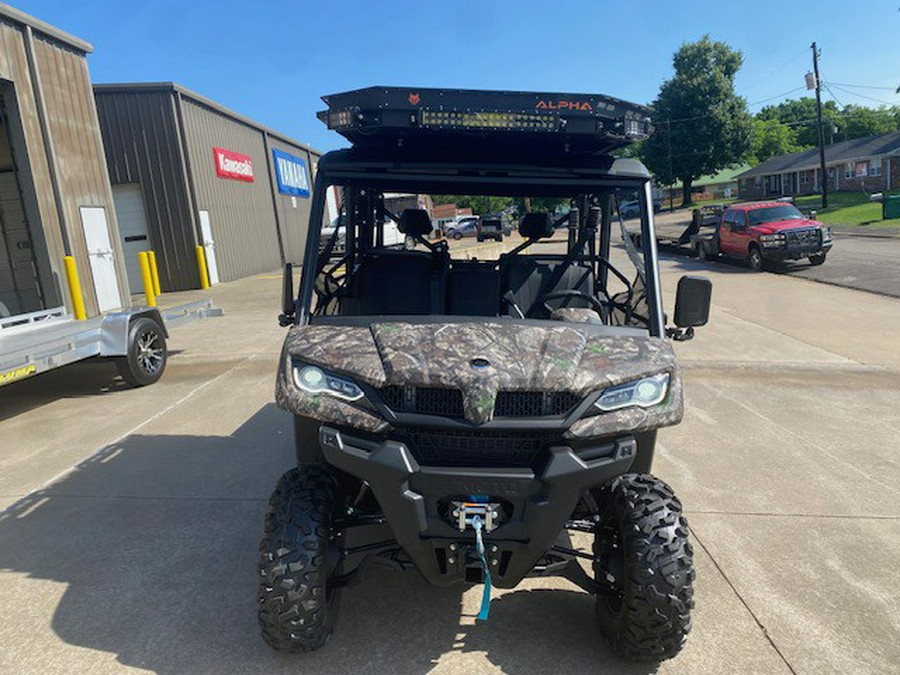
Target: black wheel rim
<point x="149" y="351"/>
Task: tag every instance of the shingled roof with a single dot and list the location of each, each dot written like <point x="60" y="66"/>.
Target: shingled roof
<point x="845" y="151"/>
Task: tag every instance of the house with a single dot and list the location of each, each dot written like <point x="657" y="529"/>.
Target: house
<point x="870" y="164"/>
<point x="722" y="185"/>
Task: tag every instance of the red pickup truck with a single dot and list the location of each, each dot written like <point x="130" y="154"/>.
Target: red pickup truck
<point x="766" y="232"/>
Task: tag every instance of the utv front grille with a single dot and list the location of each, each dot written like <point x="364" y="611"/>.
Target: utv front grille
<point x="449" y="402"/>
<point x="534" y="403"/>
<point x="424" y="400"/>
<point x="476" y="448"/>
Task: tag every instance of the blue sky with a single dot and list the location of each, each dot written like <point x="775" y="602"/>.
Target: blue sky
<point x="272" y="60"/>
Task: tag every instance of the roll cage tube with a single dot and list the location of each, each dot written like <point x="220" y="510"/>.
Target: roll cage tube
<point x="651" y="263"/>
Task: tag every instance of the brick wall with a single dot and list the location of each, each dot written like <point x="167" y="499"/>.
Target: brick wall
<point x="895" y="173"/>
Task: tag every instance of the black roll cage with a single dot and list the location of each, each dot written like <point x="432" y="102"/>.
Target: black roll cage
<point x="381" y="171"/>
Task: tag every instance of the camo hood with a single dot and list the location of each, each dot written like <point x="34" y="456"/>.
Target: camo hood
<point x="479" y="360"/>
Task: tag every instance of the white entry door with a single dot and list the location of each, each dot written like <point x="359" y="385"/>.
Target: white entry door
<point x="209" y="247"/>
<point x="100" y="254"/>
<point x="133" y="229"/>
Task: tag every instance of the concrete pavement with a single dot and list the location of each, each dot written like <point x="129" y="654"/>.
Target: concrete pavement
<point x="128" y="539"/>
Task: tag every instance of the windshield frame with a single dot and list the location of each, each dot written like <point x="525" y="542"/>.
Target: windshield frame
<point x="339" y="168"/>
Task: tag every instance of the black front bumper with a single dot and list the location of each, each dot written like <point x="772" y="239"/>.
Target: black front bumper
<point x="794" y="252"/>
<point x="536" y="502"/>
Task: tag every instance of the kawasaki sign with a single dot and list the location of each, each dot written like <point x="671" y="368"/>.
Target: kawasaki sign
<point x="290" y="172"/>
<point x="233" y="165"/>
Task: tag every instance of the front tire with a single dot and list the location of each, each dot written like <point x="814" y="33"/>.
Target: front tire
<point x="816" y="259"/>
<point x="297" y="600"/>
<point x="457" y="236"/>
<point x="147" y="353"/>
<point x="641" y="550"/>
<point x="755" y="259"/>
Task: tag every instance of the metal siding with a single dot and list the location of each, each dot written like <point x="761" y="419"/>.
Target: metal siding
<point x="14" y="67"/>
<point x="82" y="174"/>
<point x="294" y="222"/>
<point x="241" y="213"/>
<point x="141" y="142"/>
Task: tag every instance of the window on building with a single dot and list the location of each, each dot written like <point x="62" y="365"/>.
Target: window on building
<point x="804" y="177"/>
<point x="848" y="171"/>
<point x="875" y="167"/>
<point x="861" y="169"/>
<point x="757" y="182"/>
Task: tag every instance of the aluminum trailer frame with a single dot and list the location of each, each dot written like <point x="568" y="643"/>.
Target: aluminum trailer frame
<point x="34" y="343"/>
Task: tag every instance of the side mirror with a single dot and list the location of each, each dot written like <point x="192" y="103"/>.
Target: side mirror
<point x="288" y="302"/>
<point x="692" y="302"/>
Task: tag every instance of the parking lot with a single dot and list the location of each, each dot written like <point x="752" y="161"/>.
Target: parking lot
<point x="128" y="539"/>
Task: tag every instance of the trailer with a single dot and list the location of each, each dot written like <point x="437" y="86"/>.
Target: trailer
<point x="699" y="236"/>
<point x="135" y="339"/>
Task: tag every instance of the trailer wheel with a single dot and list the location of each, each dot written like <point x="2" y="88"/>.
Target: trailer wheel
<point x="642" y="553"/>
<point x="700" y="251"/>
<point x="147" y="353"/>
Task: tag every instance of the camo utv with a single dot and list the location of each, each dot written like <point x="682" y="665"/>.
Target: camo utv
<point x="482" y="421"/>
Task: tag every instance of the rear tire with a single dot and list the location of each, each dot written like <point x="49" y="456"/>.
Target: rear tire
<point x="642" y="542"/>
<point x="817" y="259"/>
<point x="147" y="353"/>
<point x="297" y="601"/>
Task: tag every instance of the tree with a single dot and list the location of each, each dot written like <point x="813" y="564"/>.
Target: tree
<point x="702" y="126"/>
<point x="800" y="115"/>
<point x="771" y="138"/>
<point x="858" y="121"/>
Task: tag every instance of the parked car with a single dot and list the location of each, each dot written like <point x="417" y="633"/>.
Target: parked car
<point x="766" y="232"/>
<point x="464" y="228"/>
<point x="632" y="209"/>
<point x="490" y="227"/>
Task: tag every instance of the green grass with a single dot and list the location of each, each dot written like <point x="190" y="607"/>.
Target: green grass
<point x="847" y="209"/>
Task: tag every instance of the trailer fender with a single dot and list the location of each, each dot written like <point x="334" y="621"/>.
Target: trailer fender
<point x="114" y="329"/>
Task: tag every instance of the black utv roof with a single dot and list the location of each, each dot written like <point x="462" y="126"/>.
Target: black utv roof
<point x="503" y="125"/>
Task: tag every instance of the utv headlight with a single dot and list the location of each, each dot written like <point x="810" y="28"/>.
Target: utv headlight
<point x="643" y="393"/>
<point x="772" y="240"/>
<point x="314" y="380"/>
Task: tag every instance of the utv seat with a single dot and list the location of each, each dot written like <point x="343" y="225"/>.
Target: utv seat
<point x="528" y="279"/>
<point x="396" y="282"/>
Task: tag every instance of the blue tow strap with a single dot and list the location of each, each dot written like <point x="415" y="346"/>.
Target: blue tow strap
<point x="486" y="595"/>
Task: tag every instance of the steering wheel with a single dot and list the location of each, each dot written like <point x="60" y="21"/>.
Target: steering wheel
<point x="558" y="295"/>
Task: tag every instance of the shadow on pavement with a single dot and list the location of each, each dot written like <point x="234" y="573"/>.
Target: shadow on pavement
<point x="93" y="377"/>
<point x="155" y="540"/>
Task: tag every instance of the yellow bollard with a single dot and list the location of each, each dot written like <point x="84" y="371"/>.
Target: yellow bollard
<point x="154" y="272"/>
<point x="148" y="279"/>
<point x="201" y="264"/>
<point x="75" y="288"/>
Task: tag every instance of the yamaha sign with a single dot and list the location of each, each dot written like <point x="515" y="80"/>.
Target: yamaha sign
<point x="290" y="173"/>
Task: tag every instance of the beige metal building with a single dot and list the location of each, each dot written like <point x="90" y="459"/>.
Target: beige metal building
<point x="55" y="197"/>
<point x="187" y="171"/>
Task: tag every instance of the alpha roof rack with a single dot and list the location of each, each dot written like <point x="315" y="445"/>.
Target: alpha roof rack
<point x="576" y="122"/>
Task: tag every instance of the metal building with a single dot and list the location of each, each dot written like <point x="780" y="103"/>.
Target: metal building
<point x="55" y="197"/>
<point x="187" y="171"/>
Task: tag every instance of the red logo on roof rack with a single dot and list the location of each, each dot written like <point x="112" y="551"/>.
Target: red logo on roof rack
<point x="414" y="99"/>
<point x="564" y="105"/>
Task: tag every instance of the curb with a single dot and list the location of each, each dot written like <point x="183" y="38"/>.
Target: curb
<point x="871" y="235"/>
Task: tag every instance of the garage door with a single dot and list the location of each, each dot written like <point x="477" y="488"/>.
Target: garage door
<point x="133" y="229"/>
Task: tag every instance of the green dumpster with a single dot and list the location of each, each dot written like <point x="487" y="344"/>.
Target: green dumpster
<point x="890" y="207"/>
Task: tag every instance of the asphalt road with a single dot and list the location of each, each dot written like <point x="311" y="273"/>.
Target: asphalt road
<point x="129" y="519"/>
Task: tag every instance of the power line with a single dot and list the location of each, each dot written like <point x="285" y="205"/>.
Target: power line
<point x="836" y="100"/>
<point x="776" y="96"/>
<point x="862" y="86"/>
<point x="868" y="98"/>
<point x="802" y="52"/>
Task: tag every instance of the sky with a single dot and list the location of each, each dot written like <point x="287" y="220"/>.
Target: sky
<point x="271" y="61"/>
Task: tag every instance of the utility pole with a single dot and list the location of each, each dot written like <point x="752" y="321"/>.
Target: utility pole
<point x="824" y="179"/>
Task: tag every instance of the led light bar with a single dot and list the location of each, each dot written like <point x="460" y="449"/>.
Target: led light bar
<point x="593" y="122"/>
